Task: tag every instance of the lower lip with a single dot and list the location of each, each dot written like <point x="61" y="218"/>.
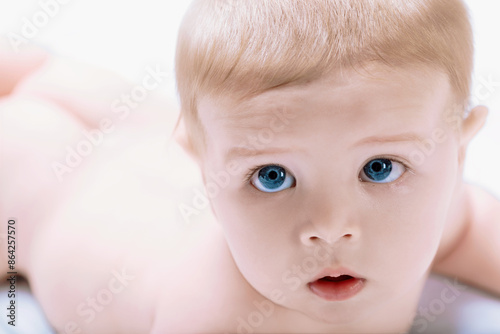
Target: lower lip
<point x="337" y="291"/>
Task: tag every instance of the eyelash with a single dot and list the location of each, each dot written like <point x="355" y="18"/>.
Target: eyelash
<point x="405" y="165"/>
<point x="253" y="170"/>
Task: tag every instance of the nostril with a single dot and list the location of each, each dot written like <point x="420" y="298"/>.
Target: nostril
<point x="314" y="238"/>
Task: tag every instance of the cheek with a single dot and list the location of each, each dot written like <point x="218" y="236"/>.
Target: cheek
<point x="413" y="222"/>
<point x="253" y="221"/>
<point x="258" y="234"/>
<point x="247" y="226"/>
<point x="243" y="209"/>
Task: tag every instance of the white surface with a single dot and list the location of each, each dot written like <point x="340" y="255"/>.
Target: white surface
<point x="29" y="317"/>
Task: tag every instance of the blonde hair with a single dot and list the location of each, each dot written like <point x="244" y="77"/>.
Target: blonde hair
<point x="245" y="47"/>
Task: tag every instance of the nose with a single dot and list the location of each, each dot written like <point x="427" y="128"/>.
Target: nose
<point x="330" y="218"/>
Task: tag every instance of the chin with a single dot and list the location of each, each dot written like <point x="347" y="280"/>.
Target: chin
<point x="338" y="314"/>
<point x="356" y="320"/>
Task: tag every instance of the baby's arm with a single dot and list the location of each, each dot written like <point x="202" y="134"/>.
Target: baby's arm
<point x="475" y="258"/>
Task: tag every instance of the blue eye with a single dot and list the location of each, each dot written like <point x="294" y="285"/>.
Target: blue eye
<point x="382" y="171"/>
<point x="271" y="179"/>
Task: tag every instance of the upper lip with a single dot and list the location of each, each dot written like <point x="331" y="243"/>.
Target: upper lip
<point x="335" y="272"/>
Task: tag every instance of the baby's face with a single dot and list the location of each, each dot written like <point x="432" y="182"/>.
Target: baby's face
<point x="330" y="178"/>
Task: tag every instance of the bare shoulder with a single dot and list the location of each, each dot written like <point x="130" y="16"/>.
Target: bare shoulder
<point x="475" y="255"/>
<point x="205" y="293"/>
<point x="99" y="263"/>
<point x="485" y="206"/>
<point x="91" y="264"/>
<point x="483" y="211"/>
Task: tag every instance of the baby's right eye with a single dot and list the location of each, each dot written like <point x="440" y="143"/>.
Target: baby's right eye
<point x="272" y="179"/>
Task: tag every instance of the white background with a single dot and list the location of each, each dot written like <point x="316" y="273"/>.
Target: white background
<point x="126" y="36"/>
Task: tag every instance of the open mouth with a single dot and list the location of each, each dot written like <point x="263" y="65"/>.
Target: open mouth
<point x="337" y="288"/>
<point x="340" y="278"/>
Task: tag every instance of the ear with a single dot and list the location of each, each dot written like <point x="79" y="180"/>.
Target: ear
<point x="181" y="137"/>
<point x="470" y="127"/>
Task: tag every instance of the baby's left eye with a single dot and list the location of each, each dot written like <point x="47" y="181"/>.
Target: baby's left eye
<point x="382" y="171"/>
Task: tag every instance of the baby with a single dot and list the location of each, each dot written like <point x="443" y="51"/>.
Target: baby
<point x="339" y="131"/>
<point x="331" y="137"/>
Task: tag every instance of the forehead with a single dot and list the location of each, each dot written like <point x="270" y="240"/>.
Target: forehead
<point x="347" y="105"/>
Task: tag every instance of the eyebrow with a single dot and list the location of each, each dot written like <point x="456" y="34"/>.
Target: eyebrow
<point x="403" y="137"/>
<point x="245" y="152"/>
